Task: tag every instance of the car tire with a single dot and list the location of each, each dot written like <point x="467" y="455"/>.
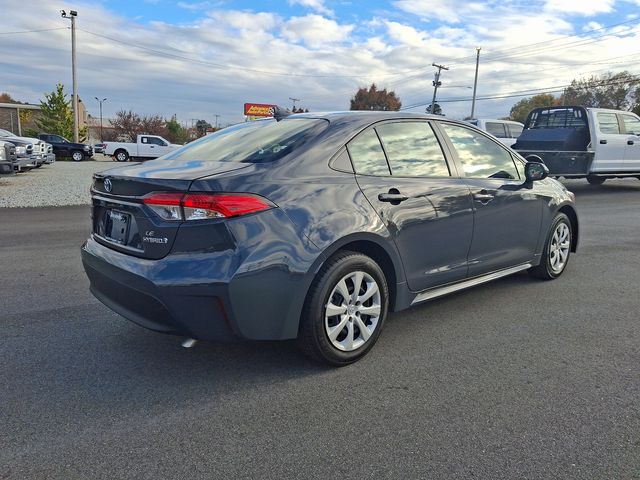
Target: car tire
<point x="593" y="180"/>
<point x="121" y="155"/>
<point x="349" y="334"/>
<point x="557" y="250"/>
<point x="77" y="155"/>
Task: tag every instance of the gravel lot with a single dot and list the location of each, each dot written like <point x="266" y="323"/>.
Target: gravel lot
<point x="60" y="184"/>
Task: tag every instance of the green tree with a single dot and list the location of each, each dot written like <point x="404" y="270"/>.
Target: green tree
<point x="522" y="108"/>
<point x="56" y="114"/>
<point x="374" y="99"/>
<point x="201" y="127"/>
<point x="176" y="133"/>
<point x="610" y="90"/>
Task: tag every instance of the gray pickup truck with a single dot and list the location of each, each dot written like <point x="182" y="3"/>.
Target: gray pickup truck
<point x="8" y="160"/>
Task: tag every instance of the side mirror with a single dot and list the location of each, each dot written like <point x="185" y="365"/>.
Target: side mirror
<point x="534" y="170"/>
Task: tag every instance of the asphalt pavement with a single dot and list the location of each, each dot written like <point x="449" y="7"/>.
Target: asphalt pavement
<point x="517" y="379"/>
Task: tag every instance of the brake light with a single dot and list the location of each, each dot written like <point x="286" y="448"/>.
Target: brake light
<point x="203" y="206"/>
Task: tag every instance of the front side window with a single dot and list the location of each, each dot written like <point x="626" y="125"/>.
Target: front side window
<point x="413" y="150"/>
<point x="480" y="156"/>
<point x="631" y="124"/>
<point x="515" y="130"/>
<point x="496" y="129"/>
<point x="367" y="154"/>
<point x="608" y="123"/>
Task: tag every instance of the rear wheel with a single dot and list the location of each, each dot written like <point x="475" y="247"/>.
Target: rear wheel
<point x="593" y="180"/>
<point x="345" y="310"/>
<point x="557" y="249"/>
<point x="77" y="156"/>
<point x="121" y="155"/>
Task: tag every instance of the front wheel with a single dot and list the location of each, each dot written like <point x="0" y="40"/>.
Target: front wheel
<point x="77" y="156"/>
<point x="557" y="249"/>
<point x="345" y="309"/>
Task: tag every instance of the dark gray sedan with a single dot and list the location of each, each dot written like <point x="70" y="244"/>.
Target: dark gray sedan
<point x="315" y="226"/>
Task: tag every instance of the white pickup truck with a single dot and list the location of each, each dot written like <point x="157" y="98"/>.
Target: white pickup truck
<point x="506" y="131"/>
<point x="145" y="148"/>
<point x="579" y="142"/>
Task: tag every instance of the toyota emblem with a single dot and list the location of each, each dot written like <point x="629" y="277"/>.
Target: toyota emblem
<point x="107" y="185"/>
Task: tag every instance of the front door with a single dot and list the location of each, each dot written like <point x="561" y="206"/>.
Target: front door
<point x="631" y="126"/>
<point x="401" y="169"/>
<point x="609" y="145"/>
<point x="507" y="213"/>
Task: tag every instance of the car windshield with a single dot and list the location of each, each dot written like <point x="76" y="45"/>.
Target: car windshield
<point x="5" y="133"/>
<point x="252" y="142"/>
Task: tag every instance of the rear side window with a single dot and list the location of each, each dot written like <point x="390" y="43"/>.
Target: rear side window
<point x="496" y="129"/>
<point x="413" y="150"/>
<point x="480" y="156"/>
<point x="631" y="124"/>
<point x="367" y="154"/>
<point x="252" y="142"/>
<point x="608" y="123"/>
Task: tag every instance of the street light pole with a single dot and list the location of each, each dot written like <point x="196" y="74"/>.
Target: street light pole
<point x="100" y="102"/>
<point x="475" y="84"/>
<point x="72" y="16"/>
<point x="294" y="100"/>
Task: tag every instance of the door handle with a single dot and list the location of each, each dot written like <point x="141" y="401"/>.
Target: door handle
<point x="483" y="196"/>
<point x="603" y="142"/>
<point x="393" y="196"/>
<point x="630" y="142"/>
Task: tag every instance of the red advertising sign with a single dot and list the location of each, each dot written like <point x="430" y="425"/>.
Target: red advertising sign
<point x="259" y="110"/>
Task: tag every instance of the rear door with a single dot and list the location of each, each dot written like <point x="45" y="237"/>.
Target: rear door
<point x="610" y="144"/>
<point x="401" y="169"/>
<point x="631" y="126"/>
<point x="145" y="147"/>
<point x="507" y="213"/>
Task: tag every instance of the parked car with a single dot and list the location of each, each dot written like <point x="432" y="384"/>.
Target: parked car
<point x="64" y="148"/>
<point x="37" y="152"/>
<point x="50" y="157"/>
<point x="579" y="142"/>
<point x="315" y="226"/>
<point x="507" y="131"/>
<point x="146" y="147"/>
<point x="8" y="159"/>
<point x="98" y="148"/>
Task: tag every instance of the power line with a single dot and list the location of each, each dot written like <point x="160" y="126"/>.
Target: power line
<point x="522" y="93"/>
<point x="33" y="31"/>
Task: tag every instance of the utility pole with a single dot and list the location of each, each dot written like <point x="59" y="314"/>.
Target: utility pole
<point x="475" y="84"/>
<point x="217" y="116"/>
<point x="436" y="84"/>
<point x="294" y="100"/>
<point x="72" y="16"/>
<point x="100" y="102"/>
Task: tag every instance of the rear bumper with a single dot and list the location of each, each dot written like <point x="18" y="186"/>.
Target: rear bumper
<point x="251" y="290"/>
<point x="142" y="291"/>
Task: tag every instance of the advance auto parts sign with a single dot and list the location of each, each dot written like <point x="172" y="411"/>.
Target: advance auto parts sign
<point x="259" y="110"/>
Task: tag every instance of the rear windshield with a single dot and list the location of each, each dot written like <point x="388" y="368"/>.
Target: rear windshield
<point x="252" y="142"/>
<point x="557" y="118"/>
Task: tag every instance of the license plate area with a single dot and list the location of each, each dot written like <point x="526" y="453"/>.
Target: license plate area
<point x="116" y="226"/>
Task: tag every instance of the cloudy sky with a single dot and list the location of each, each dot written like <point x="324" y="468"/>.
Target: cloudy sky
<point x="198" y="58"/>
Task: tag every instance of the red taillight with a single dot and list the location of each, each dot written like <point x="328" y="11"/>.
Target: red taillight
<point x="203" y="206"/>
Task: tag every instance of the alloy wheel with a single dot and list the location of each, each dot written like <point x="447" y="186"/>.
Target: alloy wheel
<point x="352" y="311"/>
<point x="559" y="247"/>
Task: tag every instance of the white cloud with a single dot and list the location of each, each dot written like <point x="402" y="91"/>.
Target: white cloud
<point x="315" y="31"/>
<point x="315" y="5"/>
<point x="586" y="8"/>
<point x="449" y="11"/>
<point x="244" y="45"/>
